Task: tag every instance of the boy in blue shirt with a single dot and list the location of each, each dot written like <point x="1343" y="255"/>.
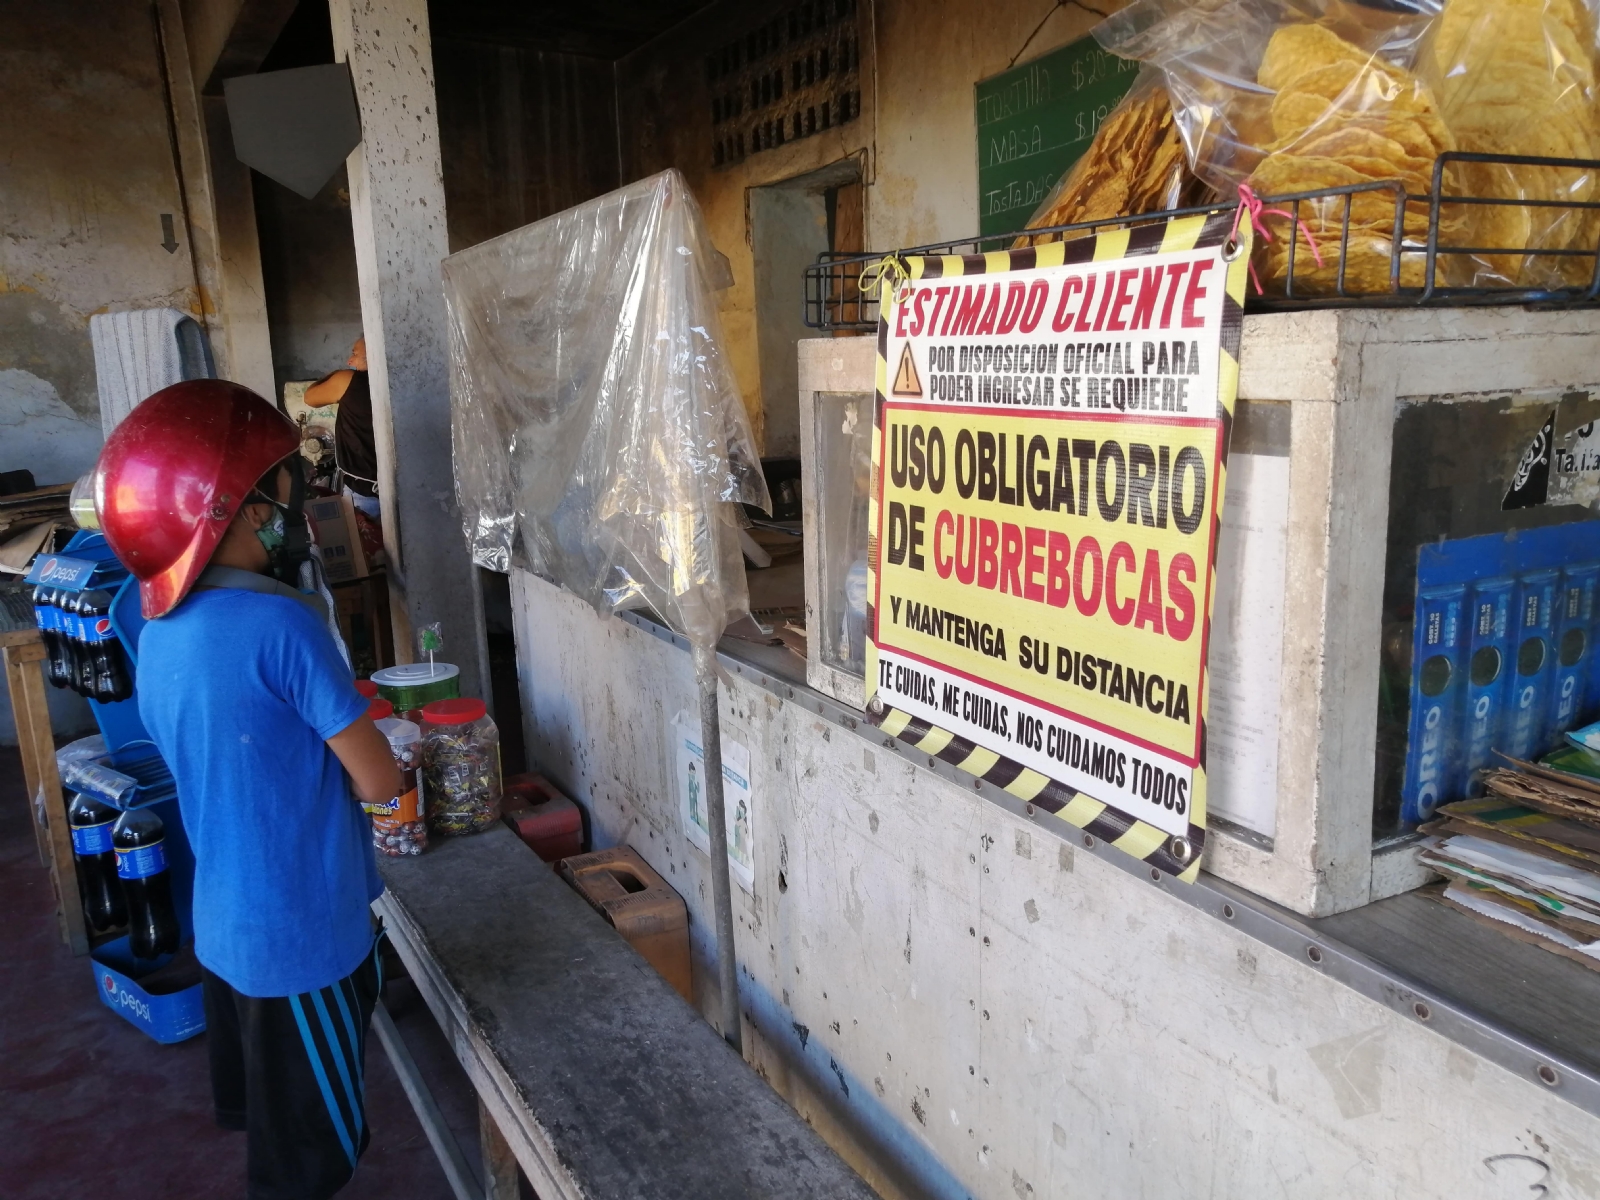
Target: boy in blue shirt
<point x="244" y="691"/>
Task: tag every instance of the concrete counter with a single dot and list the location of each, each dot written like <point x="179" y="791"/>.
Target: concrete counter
<point x="601" y="1079"/>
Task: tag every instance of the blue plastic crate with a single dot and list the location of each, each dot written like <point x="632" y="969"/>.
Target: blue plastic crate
<point x="173" y="1017"/>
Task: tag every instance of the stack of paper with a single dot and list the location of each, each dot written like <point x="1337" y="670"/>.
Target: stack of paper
<point x="1527" y="857"/>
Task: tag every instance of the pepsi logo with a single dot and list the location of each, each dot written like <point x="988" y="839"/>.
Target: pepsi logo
<point x="103" y="625"/>
<point x="109" y="984"/>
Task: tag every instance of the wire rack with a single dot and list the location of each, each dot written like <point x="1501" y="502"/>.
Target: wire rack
<point x="1431" y="261"/>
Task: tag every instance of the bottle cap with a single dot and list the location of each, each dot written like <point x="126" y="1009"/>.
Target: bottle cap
<point x="453" y="712"/>
<point x="379" y="708"/>
<point x="367" y="688"/>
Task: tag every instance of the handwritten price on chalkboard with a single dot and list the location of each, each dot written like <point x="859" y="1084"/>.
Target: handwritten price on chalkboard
<point x="1092" y="68"/>
<point x="1089" y="122"/>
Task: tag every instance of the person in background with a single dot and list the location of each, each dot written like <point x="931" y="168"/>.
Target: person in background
<point x="353" y="448"/>
<point x="244" y="692"/>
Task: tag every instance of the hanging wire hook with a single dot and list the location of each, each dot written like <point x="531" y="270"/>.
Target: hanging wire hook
<point x="1253" y="204"/>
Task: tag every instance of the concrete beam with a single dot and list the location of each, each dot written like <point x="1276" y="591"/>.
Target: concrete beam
<point x="219" y="215"/>
<point x="397" y="210"/>
<point x="246" y="344"/>
<point x="252" y="28"/>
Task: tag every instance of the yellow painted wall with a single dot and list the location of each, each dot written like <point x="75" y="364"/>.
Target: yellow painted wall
<point x="919" y="62"/>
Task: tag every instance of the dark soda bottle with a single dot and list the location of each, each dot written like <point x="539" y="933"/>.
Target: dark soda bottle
<point x="71" y="656"/>
<point x="139" y="838"/>
<point x="83" y="651"/>
<point x="108" y="669"/>
<point x="103" y="903"/>
<point x="44" y="616"/>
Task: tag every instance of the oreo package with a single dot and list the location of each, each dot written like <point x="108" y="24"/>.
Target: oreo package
<point x="1533" y="632"/>
<point x="1438" y="682"/>
<point x="1489" y="662"/>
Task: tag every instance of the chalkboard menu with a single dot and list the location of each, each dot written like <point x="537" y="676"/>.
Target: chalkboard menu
<point x="1033" y="123"/>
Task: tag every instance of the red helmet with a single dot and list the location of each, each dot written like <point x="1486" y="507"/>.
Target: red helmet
<point x="174" y="473"/>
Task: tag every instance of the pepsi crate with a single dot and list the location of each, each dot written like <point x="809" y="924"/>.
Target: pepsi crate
<point x="168" y="1016"/>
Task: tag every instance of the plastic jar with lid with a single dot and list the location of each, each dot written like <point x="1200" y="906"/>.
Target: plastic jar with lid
<point x="460" y="766"/>
<point x="398" y="826"/>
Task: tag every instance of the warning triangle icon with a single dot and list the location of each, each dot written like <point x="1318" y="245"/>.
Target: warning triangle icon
<point x="906" y="382"/>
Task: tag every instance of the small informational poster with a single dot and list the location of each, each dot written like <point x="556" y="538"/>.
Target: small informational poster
<point x="738" y="808"/>
<point x="1049" y="467"/>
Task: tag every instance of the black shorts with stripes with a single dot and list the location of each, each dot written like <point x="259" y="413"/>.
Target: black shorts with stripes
<point x="288" y="1070"/>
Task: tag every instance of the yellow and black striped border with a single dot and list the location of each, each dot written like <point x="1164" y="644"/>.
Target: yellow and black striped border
<point x="1179" y="857"/>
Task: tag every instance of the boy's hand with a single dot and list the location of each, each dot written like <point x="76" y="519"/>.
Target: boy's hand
<point x="365" y="753"/>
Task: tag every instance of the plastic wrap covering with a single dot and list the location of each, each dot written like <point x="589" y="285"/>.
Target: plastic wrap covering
<point x="1305" y="95"/>
<point x="597" y="425"/>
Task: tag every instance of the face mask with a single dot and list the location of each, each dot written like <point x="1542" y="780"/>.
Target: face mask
<point x="270" y="535"/>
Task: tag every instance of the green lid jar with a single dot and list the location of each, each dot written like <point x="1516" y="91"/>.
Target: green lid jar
<point x="414" y="684"/>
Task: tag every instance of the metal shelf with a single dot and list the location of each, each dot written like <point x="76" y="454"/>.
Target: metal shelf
<point x="833" y="301"/>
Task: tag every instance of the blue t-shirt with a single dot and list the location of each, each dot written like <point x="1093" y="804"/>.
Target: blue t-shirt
<point x="240" y="691"/>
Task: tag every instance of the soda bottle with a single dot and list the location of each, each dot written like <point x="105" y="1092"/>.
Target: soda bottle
<point x="44" y="617"/>
<point x="108" y="669"/>
<point x="83" y="631"/>
<point x="71" y="648"/>
<point x="103" y="903"/>
<point x="139" y="837"/>
<point x="60" y="622"/>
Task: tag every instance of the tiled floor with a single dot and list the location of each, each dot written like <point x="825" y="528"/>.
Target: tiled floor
<point x="91" y="1107"/>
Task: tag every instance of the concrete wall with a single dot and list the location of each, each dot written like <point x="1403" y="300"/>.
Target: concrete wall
<point x="89" y="170"/>
<point x="967" y="1008"/>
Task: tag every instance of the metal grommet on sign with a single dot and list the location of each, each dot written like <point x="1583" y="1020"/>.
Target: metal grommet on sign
<point x="875" y="706"/>
<point x="218" y="512"/>
<point x="1181" y="850"/>
<point x="1030" y="810"/>
<point x="1548" y="1075"/>
<point x="1231" y="249"/>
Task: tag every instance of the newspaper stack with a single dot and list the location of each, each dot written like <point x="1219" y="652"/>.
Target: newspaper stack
<point x="1526" y="856"/>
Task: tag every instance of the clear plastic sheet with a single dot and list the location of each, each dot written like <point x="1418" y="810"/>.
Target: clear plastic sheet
<point x="1223" y="86"/>
<point x="599" y="434"/>
<point x="1295" y="96"/>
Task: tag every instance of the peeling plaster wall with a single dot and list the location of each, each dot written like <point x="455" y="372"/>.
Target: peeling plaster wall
<point x="88" y="171"/>
<point x="664" y="112"/>
<point x="925" y="188"/>
<point x="919" y="62"/>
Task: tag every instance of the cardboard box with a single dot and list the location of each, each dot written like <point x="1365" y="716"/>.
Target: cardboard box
<point x="342" y="557"/>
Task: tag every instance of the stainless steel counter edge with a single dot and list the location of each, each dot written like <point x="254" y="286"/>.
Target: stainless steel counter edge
<point x="1276" y="927"/>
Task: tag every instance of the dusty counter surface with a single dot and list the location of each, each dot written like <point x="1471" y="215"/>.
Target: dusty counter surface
<point x="602" y="1080"/>
<point x="968" y="1005"/>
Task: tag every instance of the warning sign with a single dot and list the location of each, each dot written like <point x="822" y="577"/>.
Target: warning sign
<point x="1047" y="492"/>
<point x="906" y="381"/>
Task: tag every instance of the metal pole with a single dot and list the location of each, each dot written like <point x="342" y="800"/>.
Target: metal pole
<point x="456" y="1171"/>
<point x="705" y="674"/>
